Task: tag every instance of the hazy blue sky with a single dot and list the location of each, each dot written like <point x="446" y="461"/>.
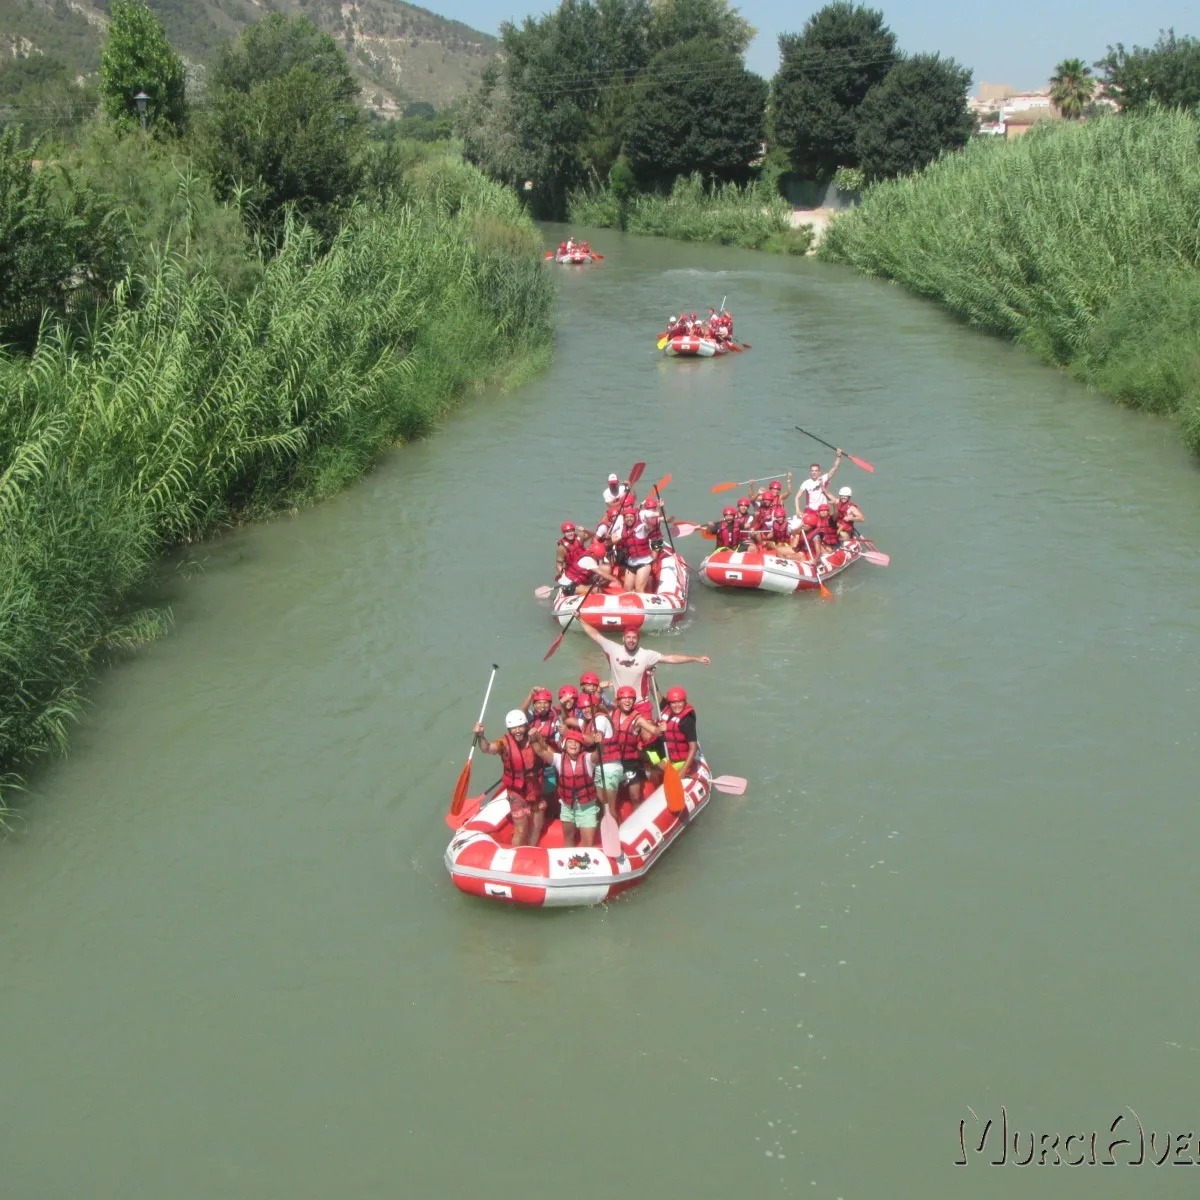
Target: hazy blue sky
<point x="1016" y="41"/>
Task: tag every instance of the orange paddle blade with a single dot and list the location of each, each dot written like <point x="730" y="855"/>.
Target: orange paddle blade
<point x="460" y="789"/>
<point x="725" y="487"/>
<point x="673" y="787"/>
<point x="704" y="533"/>
<point x="860" y="462"/>
<point x="662" y="483"/>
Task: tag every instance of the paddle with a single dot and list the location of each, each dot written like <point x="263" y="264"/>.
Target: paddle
<point x="735" y="483"/>
<point x="731" y="785"/>
<point x="685" y="528"/>
<point x="544" y="592"/>
<point x="471" y="808"/>
<point x="464" y="778"/>
<point x="662" y="342"/>
<point x="858" y="462"/>
<point x="826" y="594"/>
<point x="871" y="554"/>
<point x="665" y="522"/>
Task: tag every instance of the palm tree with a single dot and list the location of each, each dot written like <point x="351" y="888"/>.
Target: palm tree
<point x="1071" y="87"/>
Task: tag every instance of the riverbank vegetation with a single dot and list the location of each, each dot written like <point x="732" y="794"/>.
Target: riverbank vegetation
<point x="608" y="114"/>
<point x="191" y="363"/>
<point x="1080" y="240"/>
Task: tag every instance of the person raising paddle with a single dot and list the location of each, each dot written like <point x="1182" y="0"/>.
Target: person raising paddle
<point x="812" y="491"/>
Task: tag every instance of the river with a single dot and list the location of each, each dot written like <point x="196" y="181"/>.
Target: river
<point x="959" y="885"/>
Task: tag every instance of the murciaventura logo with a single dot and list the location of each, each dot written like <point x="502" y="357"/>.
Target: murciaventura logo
<point x="1127" y="1143"/>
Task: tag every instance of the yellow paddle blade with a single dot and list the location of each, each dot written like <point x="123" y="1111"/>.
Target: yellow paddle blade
<point x="662" y="343"/>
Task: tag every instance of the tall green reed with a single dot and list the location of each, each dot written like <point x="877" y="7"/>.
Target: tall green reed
<point x="1057" y="240"/>
<point x="182" y="406"/>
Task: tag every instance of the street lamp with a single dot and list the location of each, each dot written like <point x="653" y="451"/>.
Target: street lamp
<point x="140" y="100"/>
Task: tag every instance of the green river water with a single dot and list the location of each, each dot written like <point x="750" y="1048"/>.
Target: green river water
<point x="960" y="883"/>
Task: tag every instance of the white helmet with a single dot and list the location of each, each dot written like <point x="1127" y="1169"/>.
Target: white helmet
<point x="515" y="719"/>
<point x="845" y="492"/>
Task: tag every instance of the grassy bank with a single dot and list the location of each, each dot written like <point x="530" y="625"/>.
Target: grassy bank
<point x="191" y="409"/>
<point x="752" y="217"/>
<point x="1080" y="241"/>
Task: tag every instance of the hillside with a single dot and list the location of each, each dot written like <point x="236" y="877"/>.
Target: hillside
<point x="399" y="53"/>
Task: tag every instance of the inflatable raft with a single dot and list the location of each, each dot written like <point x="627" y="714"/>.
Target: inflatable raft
<point x="482" y="861"/>
<point x="687" y="346"/>
<point x="573" y="258"/>
<point x="768" y="572"/>
<point x="617" y="609"/>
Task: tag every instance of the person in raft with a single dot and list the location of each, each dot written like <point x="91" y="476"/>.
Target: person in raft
<point x="523" y="775"/>
<point x="582" y="565"/>
<point x="632" y="732"/>
<point x="847" y="514"/>
<point x="629" y="661"/>
<point x="578" y="800"/>
<point x="678" y="729"/>
<point x="812" y="491"/>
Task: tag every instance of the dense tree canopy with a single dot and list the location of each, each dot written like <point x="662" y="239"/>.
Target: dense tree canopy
<point x="918" y="112"/>
<point x="710" y="119"/>
<point x="138" y="58"/>
<point x="825" y="73"/>
<point x="1167" y="73"/>
<point x="282" y="126"/>
<point x="58" y="244"/>
<point x="676" y="21"/>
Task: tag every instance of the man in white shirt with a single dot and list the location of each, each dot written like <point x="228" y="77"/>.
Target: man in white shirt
<point x="615" y="490"/>
<point x="629" y="662"/>
<point x="812" y="491"/>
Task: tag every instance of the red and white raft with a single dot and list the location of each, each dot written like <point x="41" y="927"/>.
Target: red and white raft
<point x="483" y="862"/>
<point x="687" y="346"/>
<point x="768" y="572"/>
<point x="572" y="258"/>
<point x="651" y="611"/>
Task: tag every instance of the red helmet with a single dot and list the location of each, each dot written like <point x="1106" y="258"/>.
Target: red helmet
<point x="779" y="511"/>
<point x="675" y="693"/>
<point x="622" y="692"/>
<point x="822" y="508"/>
<point x="571" y="734"/>
<point x="597" y="550"/>
<point x="745" y="502"/>
<point x="729" y="511"/>
<point x="565" y="690"/>
<point x="568" y="527"/>
<point x="650" y="502"/>
<point x="541" y="694"/>
<point x="776" y="486"/>
<point x="810" y="517"/>
<point x="589" y="677"/>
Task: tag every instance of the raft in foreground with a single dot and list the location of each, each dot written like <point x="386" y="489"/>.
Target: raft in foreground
<point x="767" y="572"/>
<point x="617" y="609"/>
<point x="482" y="861"/>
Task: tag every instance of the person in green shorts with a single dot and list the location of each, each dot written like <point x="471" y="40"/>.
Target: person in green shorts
<point x="579" y="803"/>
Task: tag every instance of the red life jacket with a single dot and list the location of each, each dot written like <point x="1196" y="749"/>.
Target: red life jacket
<point x="574" y="550"/>
<point x="825" y="532"/>
<point x="523" y="770"/>
<point x="544" y="725"/>
<point x="778" y="528"/>
<point x="624" y="742"/>
<point x="729" y="534"/>
<point x="576" y="780"/>
<point x="636" y="544"/>
<point x="843" y="524"/>
<point x="677" y="744"/>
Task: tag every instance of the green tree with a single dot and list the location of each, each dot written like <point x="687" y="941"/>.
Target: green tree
<point x="60" y="248"/>
<point x="675" y="21"/>
<point x="696" y="109"/>
<point x="915" y="114"/>
<point x="1072" y="87"/>
<point x="487" y="124"/>
<point x="138" y="58"/>
<point x="1167" y="73"/>
<point x="825" y="73"/>
<point x="282" y="126"/>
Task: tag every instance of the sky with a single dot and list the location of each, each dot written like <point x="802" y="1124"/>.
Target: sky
<point x="1017" y="42"/>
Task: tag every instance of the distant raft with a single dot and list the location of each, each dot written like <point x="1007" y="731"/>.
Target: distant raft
<point x="616" y="609"/>
<point x="483" y="862"/>
<point x="573" y="258"/>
